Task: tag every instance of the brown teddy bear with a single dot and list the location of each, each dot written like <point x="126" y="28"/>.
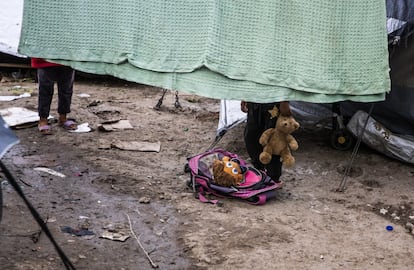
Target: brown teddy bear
<point x="278" y="140"/>
<point x="227" y="172"/>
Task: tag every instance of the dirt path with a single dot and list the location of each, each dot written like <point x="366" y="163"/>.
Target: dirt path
<point x="309" y="225"/>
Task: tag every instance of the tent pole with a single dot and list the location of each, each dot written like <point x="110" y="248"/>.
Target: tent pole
<point x="342" y="185"/>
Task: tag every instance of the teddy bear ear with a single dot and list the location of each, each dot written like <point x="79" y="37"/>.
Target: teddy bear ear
<point x="235" y="160"/>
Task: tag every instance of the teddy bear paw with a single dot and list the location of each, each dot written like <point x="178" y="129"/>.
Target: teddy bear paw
<point x="265" y="158"/>
<point x="294" y="146"/>
<point x="289" y="161"/>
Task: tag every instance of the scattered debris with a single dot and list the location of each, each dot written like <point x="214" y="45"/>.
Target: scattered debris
<point x="115" y="125"/>
<point x="34" y="236"/>
<point x="82" y="128"/>
<point x="18" y="90"/>
<point x="94" y="103"/>
<point x="50" y="171"/>
<point x="144" y="200"/>
<point x="11" y="98"/>
<point x="130" y="145"/>
<point x="105" y="112"/>
<point x="137" y="146"/>
<point x="84" y="95"/>
<point x="15" y="116"/>
<point x="383" y="211"/>
<point x="116" y="232"/>
<point x="76" y="232"/>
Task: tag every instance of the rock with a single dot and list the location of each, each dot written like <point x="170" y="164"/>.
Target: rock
<point x="144" y="200"/>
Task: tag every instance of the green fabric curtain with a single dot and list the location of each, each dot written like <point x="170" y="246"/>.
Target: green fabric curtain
<point x="263" y="50"/>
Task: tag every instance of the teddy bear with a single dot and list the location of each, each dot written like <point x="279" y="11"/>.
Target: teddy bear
<point x="278" y="140"/>
<point x="227" y="172"/>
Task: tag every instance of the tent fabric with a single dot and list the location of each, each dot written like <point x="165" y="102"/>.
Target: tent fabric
<point x="230" y="115"/>
<point x="400" y="17"/>
<point x="396" y="112"/>
<point x="378" y="137"/>
<point x="10" y="24"/>
<point x="262" y="51"/>
<point x="7" y="137"/>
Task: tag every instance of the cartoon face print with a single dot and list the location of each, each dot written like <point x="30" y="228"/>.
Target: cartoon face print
<point x="232" y="168"/>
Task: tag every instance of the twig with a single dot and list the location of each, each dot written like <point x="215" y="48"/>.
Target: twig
<point x="33" y="235"/>
<point x="27" y="184"/>
<point x="139" y="243"/>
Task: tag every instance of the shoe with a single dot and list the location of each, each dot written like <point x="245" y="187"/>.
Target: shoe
<point x="45" y="129"/>
<point x="69" y="125"/>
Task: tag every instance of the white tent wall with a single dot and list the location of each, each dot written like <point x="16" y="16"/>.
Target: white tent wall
<point x="11" y="13"/>
<point x="230" y="115"/>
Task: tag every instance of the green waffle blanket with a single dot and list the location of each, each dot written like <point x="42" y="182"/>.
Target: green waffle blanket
<point x="262" y="50"/>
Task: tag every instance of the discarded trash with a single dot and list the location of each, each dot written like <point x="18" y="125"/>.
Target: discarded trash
<point x="16" y="116"/>
<point x="117" y="125"/>
<point x="383" y="211"/>
<point x="50" y="171"/>
<point x="116" y="232"/>
<point x="77" y="232"/>
<point x="130" y="145"/>
<point x="389" y="228"/>
<point x="144" y="200"/>
<point x="51" y="220"/>
<point x="82" y="128"/>
<point x="116" y="236"/>
<point x="94" y="103"/>
<point x="10" y="98"/>
<point x="83" y="95"/>
<point x="137" y="146"/>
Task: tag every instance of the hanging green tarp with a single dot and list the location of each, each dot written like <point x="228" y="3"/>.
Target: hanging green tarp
<point x="316" y="51"/>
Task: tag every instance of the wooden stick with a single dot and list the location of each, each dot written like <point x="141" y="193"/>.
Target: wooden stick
<point x="139" y="243"/>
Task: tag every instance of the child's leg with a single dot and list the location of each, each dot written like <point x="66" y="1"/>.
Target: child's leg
<point x="46" y="84"/>
<point x="65" y="91"/>
<point x="252" y="132"/>
<point x="274" y="168"/>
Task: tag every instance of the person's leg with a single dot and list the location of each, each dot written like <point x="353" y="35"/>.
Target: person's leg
<point x="252" y="132"/>
<point x="46" y="88"/>
<point x="65" y="91"/>
<point x="274" y="168"/>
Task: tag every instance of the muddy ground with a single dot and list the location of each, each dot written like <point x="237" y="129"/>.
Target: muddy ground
<point x="105" y="189"/>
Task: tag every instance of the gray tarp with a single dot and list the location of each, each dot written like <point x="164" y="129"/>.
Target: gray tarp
<point x="380" y="138"/>
<point x="400" y="17"/>
<point x="7" y="137"/>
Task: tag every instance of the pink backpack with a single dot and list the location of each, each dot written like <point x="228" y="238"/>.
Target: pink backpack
<point x="257" y="187"/>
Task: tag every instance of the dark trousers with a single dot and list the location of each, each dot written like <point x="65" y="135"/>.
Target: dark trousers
<point x="64" y="77"/>
<point x="258" y="120"/>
